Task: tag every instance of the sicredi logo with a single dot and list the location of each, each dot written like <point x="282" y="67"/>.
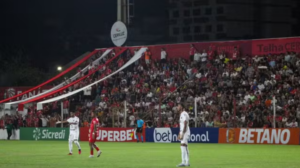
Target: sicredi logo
<point x="162" y="135"/>
<point x="46" y="134"/>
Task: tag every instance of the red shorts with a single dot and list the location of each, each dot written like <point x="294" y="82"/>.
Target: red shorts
<point x="91" y="140"/>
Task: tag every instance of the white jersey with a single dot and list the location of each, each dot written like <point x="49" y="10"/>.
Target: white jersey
<point x="184" y="116"/>
<point x="74" y="123"/>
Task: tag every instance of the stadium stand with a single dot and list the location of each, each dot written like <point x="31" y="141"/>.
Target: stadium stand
<point x="231" y="89"/>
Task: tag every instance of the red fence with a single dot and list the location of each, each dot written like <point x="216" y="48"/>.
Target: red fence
<point x="7" y="92"/>
<point x="250" y="47"/>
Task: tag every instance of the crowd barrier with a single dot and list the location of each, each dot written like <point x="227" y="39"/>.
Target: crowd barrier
<point x="260" y="136"/>
<point x="246" y="47"/>
<point x="111" y="134"/>
<point x="57" y="134"/>
<point x="283" y="136"/>
<point x="168" y="135"/>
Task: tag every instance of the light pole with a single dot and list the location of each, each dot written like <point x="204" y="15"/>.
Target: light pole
<point x="123" y="11"/>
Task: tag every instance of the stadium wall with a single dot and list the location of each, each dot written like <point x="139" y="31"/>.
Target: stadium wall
<point x="57" y="134"/>
<point x="283" y="136"/>
<point x="111" y="134"/>
<point x="15" y="134"/>
<point x="246" y="47"/>
<point x="259" y="136"/>
<point x="169" y="135"/>
<point x="231" y="135"/>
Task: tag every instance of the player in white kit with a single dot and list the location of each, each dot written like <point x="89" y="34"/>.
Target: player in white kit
<point x="74" y="132"/>
<point x="184" y="136"/>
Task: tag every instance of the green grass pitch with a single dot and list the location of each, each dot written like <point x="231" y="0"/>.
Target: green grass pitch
<point x="53" y="154"/>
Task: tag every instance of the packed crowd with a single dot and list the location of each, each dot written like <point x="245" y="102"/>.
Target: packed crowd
<point x="231" y="90"/>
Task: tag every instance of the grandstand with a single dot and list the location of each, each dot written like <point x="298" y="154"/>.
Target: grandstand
<point x="222" y="84"/>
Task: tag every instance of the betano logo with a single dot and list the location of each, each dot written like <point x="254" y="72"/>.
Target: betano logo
<point x="46" y="134"/>
<point x="230" y="135"/>
<point x="265" y="136"/>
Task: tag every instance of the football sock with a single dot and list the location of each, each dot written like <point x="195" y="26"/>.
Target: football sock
<point x="137" y="137"/>
<point x="142" y="138"/>
<point x="70" y="146"/>
<point x="96" y="147"/>
<point x="187" y="155"/>
<point x="183" y="153"/>
<point x="92" y="151"/>
<point x="78" y="145"/>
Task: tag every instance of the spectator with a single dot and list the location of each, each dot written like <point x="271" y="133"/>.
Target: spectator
<point x="192" y="52"/>
<point x="9" y="129"/>
<point x="203" y="57"/>
<point x="197" y="57"/>
<point x="175" y="125"/>
<point x="44" y="121"/>
<point x="53" y="121"/>
<point x="292" y="124"/>
<point x="209" y="123"/>
<point x="66" y="105"/>
<point x="163" y="56"/>
<point x="147" y="56"/>
<point x="235" y="55"/>
<point x="132" y="120"/>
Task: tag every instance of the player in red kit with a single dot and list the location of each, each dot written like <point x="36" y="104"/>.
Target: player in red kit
<point x="93" y="134"/>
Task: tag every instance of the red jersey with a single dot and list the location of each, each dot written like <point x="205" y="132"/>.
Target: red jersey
<point x="28" y="122"/>
<point x="192" y="51"/>
<point x="210" y="54"/>
<point x="36" y="122"/>
<point x="20" y="121"/>
<point x="235" y="55"/>
<point x="94" y="123"/>
<point x="66" y="104"/>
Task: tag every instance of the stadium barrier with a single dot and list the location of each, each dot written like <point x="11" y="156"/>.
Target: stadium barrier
<point x="259" y="136"/>
<point x="250" y="47"/>
<point x="275" y="46"/>
<point x="169" y="135"/>
<point x="60" y="134"/>
<point x="111" y="134"/>
<point x="15" y="134"/>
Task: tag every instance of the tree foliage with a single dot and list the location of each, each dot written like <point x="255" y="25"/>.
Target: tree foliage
<point x="16" y="68"/>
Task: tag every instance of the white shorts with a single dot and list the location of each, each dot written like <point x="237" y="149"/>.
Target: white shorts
<point x="73" y="135"/>
<point x="185" y="139"/>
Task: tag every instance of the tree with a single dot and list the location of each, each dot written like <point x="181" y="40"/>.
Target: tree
<point x="16" y="68"/>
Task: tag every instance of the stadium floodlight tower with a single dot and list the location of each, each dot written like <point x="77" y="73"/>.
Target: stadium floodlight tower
<point x="125" y="11"/>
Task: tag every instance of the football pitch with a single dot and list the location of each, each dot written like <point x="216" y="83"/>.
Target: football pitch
<point x="53" y="154"/>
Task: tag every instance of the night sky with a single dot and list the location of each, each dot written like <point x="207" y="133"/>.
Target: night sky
<point x="55" y="32"/>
